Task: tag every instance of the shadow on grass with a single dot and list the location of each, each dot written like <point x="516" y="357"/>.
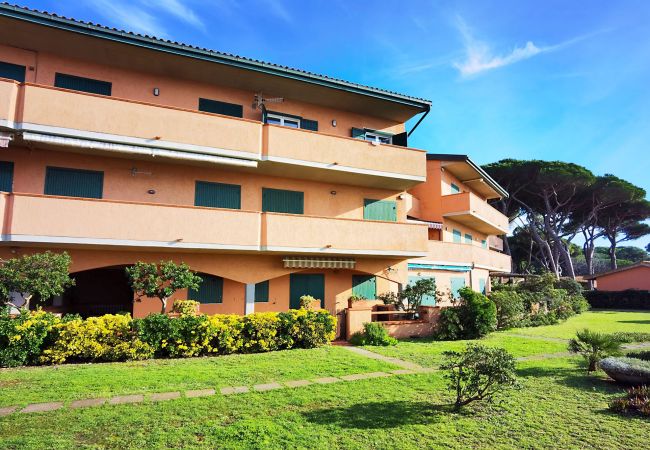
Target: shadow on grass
<point x="577" y="377"/>
<point x="642" y="322"/>
<point x="375" y="415"/>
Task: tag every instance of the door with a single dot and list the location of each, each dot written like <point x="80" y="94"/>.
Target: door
<point x="306" y="284"/>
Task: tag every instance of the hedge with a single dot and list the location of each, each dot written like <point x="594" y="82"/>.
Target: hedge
<point x="34" y="338"/>
<point x="630" y="299"/>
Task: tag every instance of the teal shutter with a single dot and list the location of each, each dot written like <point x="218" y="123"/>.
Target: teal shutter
<point x="457" y="236"/>
<point x="385" y="210"/>
<point x="224" y="108"/>
<point x="468" y="238"/>
<point x="307" y="124"/>
<point x="6" y="176"/>
<point x="12" y="71"/>
<point x="484" y="243"/>
<point x="210" y="290"/>
<point x="82" y="84"/>
<point x="217" y="195"/>
<point x="364" y="286"/>
<point x="456" y="284"/>
<point x="74" y="182"/>
<point x="481" y="285"/>
<point x="262" y="292"/>
<point x="455" y="189"/>
<point x="358" y="133"/>
<point x="427" y="300"/>
<point x="278" y="200"/>
<point x="306" y="284"/>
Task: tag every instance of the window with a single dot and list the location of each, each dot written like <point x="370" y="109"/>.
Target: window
<point x="481" y="285"/>
<point x="457" y="234"/>
<point x="364" y="286"/>
<point x="74" y="182"/>
<point x="210" y="290"/>
<point x="306" y="284"/>
<point x="217" y="107"/>
<point x="468" y="238"/>
<point x="427" y="300"/>
<point x="484" y="243"/>
<point x="12" y="71"/>
<point x="281" y="201"/>
<point x="372" y="135"/>
<point x="385" y="210"/>
<point x="6" y="176"/>
<point x="456" y="284"/>
<point x="455" y="189"/>
<point x="217" y="195"/>
<point x="82" y="84"/>
<point x="262" y="292"/>
<point x="285" y="121"/>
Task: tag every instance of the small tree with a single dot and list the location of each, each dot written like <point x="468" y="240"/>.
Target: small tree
<point x="478" y="373"/>
<point x="410" y="298"/>
<point x="42" y="274"/>
<point x="161" y="280"/>
<point x="594" y="346"/>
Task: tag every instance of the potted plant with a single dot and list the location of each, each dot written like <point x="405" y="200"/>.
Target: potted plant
<point x="354" y="299"/>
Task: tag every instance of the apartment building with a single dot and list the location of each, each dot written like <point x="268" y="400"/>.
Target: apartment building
<point x="270" y="182"/>
<point x="463" y="245"/>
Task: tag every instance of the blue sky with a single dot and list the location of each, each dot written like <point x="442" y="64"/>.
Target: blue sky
<point x="547" y="79"/>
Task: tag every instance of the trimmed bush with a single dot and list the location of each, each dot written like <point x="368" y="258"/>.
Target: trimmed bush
<point x="510" y="308"/>
<point x="474" y="317"/>
<point x="186" y="307"/>
<point x="373" y="333"/>
<point x="643" y="355"/>
<point x="630" y="299"/>
<point x="307" y="329"/>
<point x="22" y="337"/>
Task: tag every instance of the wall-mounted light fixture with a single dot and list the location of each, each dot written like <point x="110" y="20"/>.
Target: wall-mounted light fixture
<point x="333" y="122"/>
<point x="400" y="197"/>
<point x="156" y="92"/>
<point x="151" y="191"/>
<point x="333" y="192"/>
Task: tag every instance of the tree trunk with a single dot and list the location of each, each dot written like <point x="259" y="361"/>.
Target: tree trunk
<point x="588" y="250"/>
<point x="612" y="255"/>
<point x="164" y="304"/>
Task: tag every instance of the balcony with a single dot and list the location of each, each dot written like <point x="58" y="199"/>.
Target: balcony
<point x="450" y="253"/>
<point x="474" y="212"/>
<point x="60" y="118"/>
<point x="342" y="159"/>
<point x="51" y="220"/>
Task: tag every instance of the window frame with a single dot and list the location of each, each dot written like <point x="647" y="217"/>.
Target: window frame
<point x="469" y="239"/>
<point x="376" y="137"/>
<point x="282" y="118"/>
<point x="457" y="234"/>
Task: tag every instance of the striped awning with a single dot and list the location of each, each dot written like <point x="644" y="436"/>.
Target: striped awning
<point x="297" y="262"/>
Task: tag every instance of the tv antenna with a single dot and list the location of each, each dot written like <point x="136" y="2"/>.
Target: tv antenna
<point x="259" y="101"/>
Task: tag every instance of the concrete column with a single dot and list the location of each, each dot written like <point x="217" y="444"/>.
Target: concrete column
<point x="250" y="299"/>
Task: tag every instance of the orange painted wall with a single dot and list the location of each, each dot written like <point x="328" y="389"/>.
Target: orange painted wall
<point x="635" y="278"/>
<point x="184" y="93"/>
<point x="175" y="183"/>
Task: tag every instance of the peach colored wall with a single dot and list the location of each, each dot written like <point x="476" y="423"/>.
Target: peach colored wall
<point x="429" y="194"/>
<point x="185" y="93"/>
<point x="174" y="183"/>
<point x="466" y="201"/>
<point x="448" y="227"/>
<point x="447" y="178"/>
<point x="450" y="252"/>
<point x="636" y="278"/>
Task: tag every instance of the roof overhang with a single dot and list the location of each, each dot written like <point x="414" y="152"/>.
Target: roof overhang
<point x="22" y="27"/>
<point x="622" y="269"/>
<point x="471" y="174"/>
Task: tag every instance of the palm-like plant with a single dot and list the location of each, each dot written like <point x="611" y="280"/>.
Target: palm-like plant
<point x="594" y="346"/>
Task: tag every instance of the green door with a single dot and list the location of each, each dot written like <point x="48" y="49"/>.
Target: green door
<point x="456" y="284"/>
<point x="210" y="290"/>
<point x="385" y="210"/>
<point x="306" y="284"/>
<point x="364" y="286"/>
<point x="6" y="176"/>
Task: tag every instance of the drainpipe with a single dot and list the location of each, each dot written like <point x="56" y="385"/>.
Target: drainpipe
<point x="419" y="121"/>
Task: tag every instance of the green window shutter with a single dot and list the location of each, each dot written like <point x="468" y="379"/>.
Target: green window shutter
<point x="364" y="286"/>
<point x="484" y="243"/>
<point x="82" y="84"/>
<point x="224" y="108"/>
<point x="262" y="292"/>
<point x="217" y="195"/>
<point x="456" y="284"/>
<point x="306" y="284"/>
<point x="282" y="201"/>
<point x="481" y="285"/>
<point x="457" y="235"/>
<point x="385" y="210"/>
<point x="468" y="238"/>
<point x="12" y="71"/>
<point x="358" y="133"/>
<point x="74" y="182"/>
<point x="210" y="290"/>
<point x="307" y="124"/>
<point x="427" y="300"/>
<point x="6" y="176"/>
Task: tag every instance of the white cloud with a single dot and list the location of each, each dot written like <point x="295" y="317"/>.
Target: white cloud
<point x="129" y="17"/>
<point x="179" y="10"/>
<point x="276" y="8"/>
<point x="480" y="58"/>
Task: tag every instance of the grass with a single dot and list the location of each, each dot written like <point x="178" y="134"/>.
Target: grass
<point x="558" y="405"/>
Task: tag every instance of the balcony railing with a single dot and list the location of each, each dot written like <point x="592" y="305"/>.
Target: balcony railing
<point x="449" y="252"/>
<point x="60" y="113"/>
<point x="29" y="218"/>
<point x="474" y="212"/>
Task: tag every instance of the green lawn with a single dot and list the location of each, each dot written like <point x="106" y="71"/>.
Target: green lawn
<point x="558" y="405"/>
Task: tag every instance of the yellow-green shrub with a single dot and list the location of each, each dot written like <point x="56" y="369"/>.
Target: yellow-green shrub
<point x="302" y="328"/>
<point x="186" y="307"/>
<point x="260" y="332"/>
<point x="22" y="337"/>
<point x="225" y="334"/>
<point x="105" y="338"/>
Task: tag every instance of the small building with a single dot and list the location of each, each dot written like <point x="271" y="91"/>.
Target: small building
<point x="636" y="276"/>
